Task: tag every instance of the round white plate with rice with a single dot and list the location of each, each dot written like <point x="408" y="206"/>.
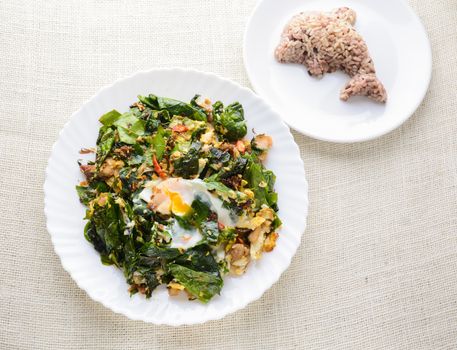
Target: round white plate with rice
<point x="397" y="43"/>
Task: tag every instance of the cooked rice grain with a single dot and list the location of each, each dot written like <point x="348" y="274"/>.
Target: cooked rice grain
<point x="325" y="42"/>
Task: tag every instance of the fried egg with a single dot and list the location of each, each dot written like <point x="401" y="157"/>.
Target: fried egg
<point x="175" y="196"/>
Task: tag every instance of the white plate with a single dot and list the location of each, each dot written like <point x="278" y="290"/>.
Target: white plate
<point x="65" y="214"/>
<point x="398" y="45"/>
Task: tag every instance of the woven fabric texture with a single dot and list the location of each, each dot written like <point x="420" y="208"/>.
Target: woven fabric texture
<point x="377" y="268"/>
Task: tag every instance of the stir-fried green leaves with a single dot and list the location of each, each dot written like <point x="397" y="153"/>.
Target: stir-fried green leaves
<point x="174" y="107"/>
<point x="159" y="143"/>
<point x="187" y="165"/>
<point x="230" y="122"/>
<point x="106" y="224"/>
<point x="134" y="225"/>
<point x="198" y="258"/>
<point x="105" y="142"/>
<point x="200" y="211"/>
<point x="202" y="285"/>
<point x="129" y="127"/>
<point x="153" y="251"/>
<point x="222" y="190"/>
<point x="85" y="194"/>
<point x="109" y="118"/>
<point x="263" y="181"/>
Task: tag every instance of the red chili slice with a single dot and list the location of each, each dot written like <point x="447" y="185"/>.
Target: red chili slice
<point x="157" y="168"/>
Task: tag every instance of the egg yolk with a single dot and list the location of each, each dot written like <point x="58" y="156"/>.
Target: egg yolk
<point x="178" y="206"/>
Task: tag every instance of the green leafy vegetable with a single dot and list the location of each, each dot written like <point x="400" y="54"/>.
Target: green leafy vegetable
<point x="262" y="182"/>
<point x="106" y="227"/>
<point x="194" y="104"/>
<point x="86" y="194"/>
<point x="227" y="234"/>
<point x="187" y="165"/>
<point x="210" y="231"/>
<point x="151" y="250"/>
<point x="105" y="142"/>
<point x="198" y="258"/>
<point x="130" y="127"/>
<point x="213" y="185"/>
<point x="230" y="123"/>
<point x="109" y="118"/>
<point x="177" y="232"/>
<point x="236" y="167"/>
<point x="202" y="285"/>
<point x="174" y="107"/>
<point x="218" y="158"/>
<point x="200" y="212"/>
<point x="159" y="143"/>
<point x="226" y="193"/>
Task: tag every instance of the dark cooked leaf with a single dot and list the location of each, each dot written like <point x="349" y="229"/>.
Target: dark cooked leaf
<point x="218" y="158"/>
<point x="256" y="181"/>
<point x="200" y="211"/>
<point x="153" y="257"/>
<point x="144" y="221"/>
<point x="90" y="233"/>
<point x="198" y="131"/>
<point x="194" y="104"/>
<point x="130" y="254"/>
<point x="200" y="217"/>
<point x="202" y="285"/>
<point x="151" y="281"/>
<point x="164" y="116"/>
<point x="230" y="123"/>
<point x="151" y="250"/>
<point x="174" y="107"/>
<point x="137" y="155"/>
<point x="236" y="167"/>
<point x="105" y="142"/>
<point x="187" y="165"/>
<point x="150" y="101"/>
<point x="261" y="181"/>
<point x="129" y="181"/>
<point x="152" y="124"/>
<point x="210" y="231"/>
<point x="100" y="186"/>
<point x="130" y="257"/>
<point x="218" y="108"/>
<point x="198" y="258"/>
<point x="86" y="194"/>
<point x="108" y="222"/>
<point x="148" y="277"/>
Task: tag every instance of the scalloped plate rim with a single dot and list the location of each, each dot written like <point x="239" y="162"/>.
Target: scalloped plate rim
<point x="123" y="311"/>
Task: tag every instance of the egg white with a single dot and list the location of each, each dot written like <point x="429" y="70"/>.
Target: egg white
<point x="188" y="191"/>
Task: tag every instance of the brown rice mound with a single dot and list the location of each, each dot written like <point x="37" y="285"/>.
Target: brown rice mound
<point x="325" y="42"/>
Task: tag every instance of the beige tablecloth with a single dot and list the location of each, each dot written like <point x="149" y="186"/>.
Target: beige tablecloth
<point x="377" y="268"/>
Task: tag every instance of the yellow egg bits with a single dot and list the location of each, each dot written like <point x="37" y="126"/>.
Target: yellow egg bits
<point x="177" y="204"/>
